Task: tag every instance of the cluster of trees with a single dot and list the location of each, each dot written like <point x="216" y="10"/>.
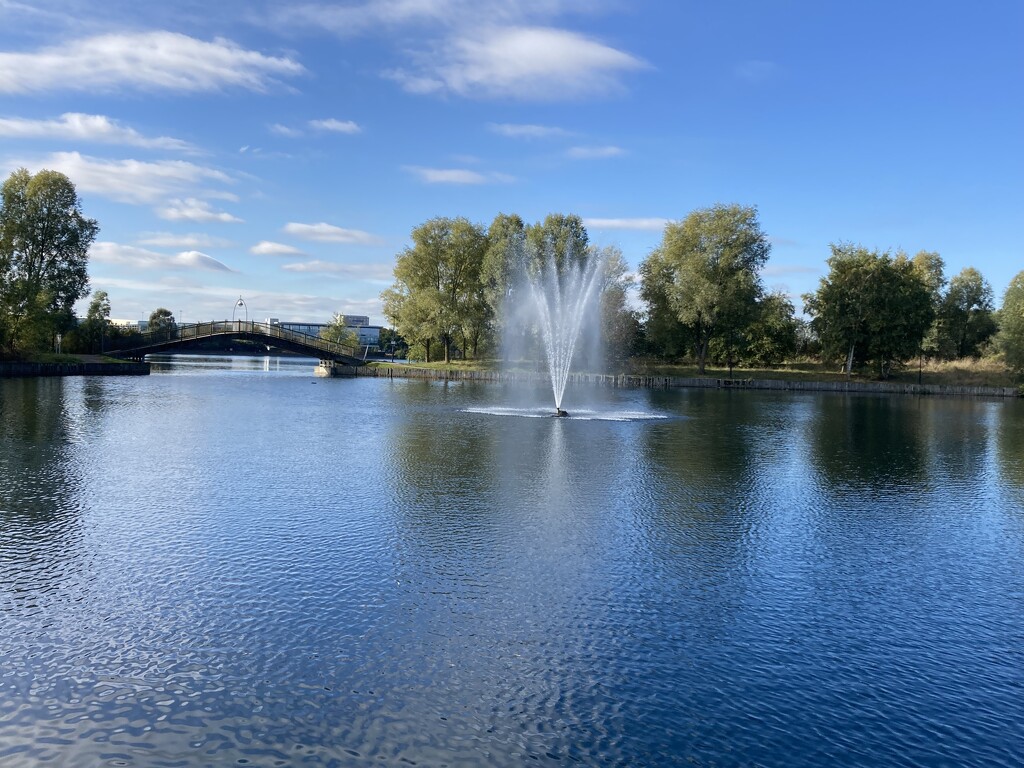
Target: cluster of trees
<point x="880" y="310"/>
<point x="704" y="295"/>
<point x="44" y="247"/>
<point x="705" y="300"/>
<point x="456" y="286"/>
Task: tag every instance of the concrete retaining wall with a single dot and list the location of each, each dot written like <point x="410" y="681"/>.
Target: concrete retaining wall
<point x="21" y="370"/>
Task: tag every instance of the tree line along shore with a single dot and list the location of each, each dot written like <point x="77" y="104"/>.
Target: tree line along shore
<point x="703" y="305"/>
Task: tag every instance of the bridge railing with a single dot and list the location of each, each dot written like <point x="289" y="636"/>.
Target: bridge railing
<point x="196" y="331"/>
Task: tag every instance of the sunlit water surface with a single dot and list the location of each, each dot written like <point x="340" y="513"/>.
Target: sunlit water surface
<point x="232" y="562"/>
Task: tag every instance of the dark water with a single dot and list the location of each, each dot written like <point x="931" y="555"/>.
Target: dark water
<point x="223" y="565"/>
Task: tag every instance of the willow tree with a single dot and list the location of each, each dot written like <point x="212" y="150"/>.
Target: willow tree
<point x="44" y="247"/>
<point x="437" y="282"/>
<point x="710" y="262"/>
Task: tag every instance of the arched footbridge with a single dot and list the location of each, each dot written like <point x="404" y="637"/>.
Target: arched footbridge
<point x="183" y="336"/>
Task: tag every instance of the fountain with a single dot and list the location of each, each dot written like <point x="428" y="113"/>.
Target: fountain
<point x="560" y="299"/>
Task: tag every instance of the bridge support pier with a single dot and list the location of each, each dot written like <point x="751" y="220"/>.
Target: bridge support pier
<point x="332" y="368"/>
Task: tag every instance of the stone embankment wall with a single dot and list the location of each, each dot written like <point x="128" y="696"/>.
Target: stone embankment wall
<point x="21" y="370"/>
<point x="670" y="382"/>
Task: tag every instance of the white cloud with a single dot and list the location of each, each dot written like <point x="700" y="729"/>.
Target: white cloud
<point x="80" y="127"/>
<point x="140" y="258"/>
<point x="456" y="176"/>
<point x="647" y="225"/>
<point x="191" y="241"/>
<point x="359" y="18"/>
<point x="193" y="209"/>
<point x="128" y="181"/>
<point x="527" y="131"/>
<point x="283" y="130"/>
<point x="267" y="248"/>
<point x="147" y="61"/>
<point x="335" y="126"/>
<point x="328" y="233"/>
<point x="528" y="63"/>
<point x="379" y="272"/>
<point x="595" y="153"/>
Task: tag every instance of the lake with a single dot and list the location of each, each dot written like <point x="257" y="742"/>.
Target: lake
<point x="231" y="562"/>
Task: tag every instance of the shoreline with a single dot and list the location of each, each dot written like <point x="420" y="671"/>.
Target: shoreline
<point x="24" y="370"/>
<point x="679" y="382"/>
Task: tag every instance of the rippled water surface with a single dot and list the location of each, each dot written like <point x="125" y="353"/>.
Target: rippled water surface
<point x="228" y="562"/>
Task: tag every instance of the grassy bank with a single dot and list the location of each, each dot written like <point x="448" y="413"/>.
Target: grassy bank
<point x="961" y="373"/>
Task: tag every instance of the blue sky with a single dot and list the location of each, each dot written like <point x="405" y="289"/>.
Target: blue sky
<point x="284" y="151"/>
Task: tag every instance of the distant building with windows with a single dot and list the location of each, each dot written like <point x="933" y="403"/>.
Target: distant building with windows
<point x="369" y="335"/>
<point x="129" y="325"/>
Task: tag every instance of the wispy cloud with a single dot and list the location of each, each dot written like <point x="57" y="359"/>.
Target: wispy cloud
<point x="457" y="176"/>
<point x="358" y="18"/>
<point x="191" y="241"/>
<point x="377" y="272"/>
<point x="268" y="248"/>
<point x="594" y="153"/>
<point x="145" y="61"/>
<point x="328" y="233"/>
<point x="283" y="130"/>
<point x="647" y="225"/>
<point x="335" y="126"/>
<point x="140" y="258"/>
<point x="525" y="63"/>
<point x="193" y="209"/>
<point x="76" y="126"/>
<point x="756" y="71"/>
<point x="527" y="131"/>
<point x="128" y="181"/>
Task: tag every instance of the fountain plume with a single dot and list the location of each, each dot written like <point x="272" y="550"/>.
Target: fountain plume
<point x="560" y="299"/>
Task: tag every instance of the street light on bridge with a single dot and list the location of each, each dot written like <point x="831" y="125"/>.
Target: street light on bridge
<point x="239" y="303"/>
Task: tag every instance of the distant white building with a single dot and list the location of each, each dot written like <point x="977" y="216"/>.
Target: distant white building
<point x="131" y="325"/>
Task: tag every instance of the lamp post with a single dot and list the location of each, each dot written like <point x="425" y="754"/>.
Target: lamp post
<point x="240" y="303"/>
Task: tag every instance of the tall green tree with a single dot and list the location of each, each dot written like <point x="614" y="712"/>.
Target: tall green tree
<point x="771" y="336"/>
<point x="711" y="262"/>
<point x="503" y="266"/>
<point x="339" y="332"/>
<point x="44" y="247"/>
<point x="161" y="319"/>
<point x="966" y="315"/>
<point x="870" y="308"/>
<point x="620" y="325"/>
<point x="1011" y="325"/>
<point x="930" y="268"/>
<point x="437" y="282"/>
<point x="97" y="321"/>
<point x="664" y="334"/>
<point x="561" y="235"/>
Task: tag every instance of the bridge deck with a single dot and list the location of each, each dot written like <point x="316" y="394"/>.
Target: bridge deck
<point x="166" y="339"/>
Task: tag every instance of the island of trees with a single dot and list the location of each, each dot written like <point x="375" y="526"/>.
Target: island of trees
<point x="704" y="298"/>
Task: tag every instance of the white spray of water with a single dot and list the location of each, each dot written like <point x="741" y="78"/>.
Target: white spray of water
<point x="561" y="301"/>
